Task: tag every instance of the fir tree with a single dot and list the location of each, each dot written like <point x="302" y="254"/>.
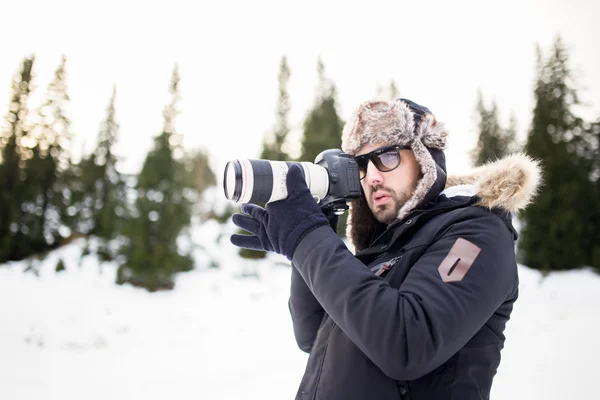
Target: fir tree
<point x="494" y="142"/>
<point x="99" y="191"/>
<point x="585" y="142"/>
<point x="197" y="165"/>
<point x="15" y="145"/>
<point x="273" y="145"/>
<point x="594" y="153"/>
<point x="163" y="211"/>
<point x="593" y="135"/>
<point x="556" y="232"/>
<point x="100" y="194"/>
<point x="323" y="126"/>
<point x="47" y="170"/>
<point x="510" y="135"/>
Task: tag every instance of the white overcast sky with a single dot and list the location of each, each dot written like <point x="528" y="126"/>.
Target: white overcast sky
<point x="439" y="53"/>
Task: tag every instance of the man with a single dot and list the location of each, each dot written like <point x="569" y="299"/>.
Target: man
<point x="418" y="312"/>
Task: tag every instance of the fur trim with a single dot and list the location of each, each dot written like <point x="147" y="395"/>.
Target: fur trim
<point x="361" y="225"/>
<point x="510" y="183"/>
<point x="390" y="122"/>
<point x="432" y="133"/>
<point x="429" y="171"/>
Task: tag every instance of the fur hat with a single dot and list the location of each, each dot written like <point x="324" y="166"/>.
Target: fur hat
<point x="392" y="122"/>
<point x="400" y="122"/>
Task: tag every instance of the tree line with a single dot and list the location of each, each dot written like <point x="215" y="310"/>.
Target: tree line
<point x="47" y="199"/>
<point x="561" y="229"/>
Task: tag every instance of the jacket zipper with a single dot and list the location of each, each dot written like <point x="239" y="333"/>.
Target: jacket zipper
<point x="386" y="266"/>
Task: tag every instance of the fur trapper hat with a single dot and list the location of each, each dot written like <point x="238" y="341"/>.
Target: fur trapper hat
<point x="400" y="122"/>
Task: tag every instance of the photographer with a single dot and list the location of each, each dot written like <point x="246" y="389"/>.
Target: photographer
<point x="419" y="311"/>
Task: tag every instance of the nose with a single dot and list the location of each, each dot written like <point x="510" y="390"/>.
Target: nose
<point x="373" y="175"/>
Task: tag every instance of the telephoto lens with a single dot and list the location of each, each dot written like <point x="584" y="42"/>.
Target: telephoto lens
<point x="264" y="181"/>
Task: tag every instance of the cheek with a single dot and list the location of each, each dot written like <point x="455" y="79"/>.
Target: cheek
<point x="364" y="187"/>
<point x="407" y="178"/>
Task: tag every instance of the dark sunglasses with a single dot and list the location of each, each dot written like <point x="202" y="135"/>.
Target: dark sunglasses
<point x="385" y="159"/>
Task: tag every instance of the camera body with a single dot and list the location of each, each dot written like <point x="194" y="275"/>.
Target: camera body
<point x="332" y="179"/>
<point x="344" y="182"/>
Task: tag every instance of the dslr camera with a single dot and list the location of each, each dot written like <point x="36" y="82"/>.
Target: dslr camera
<point x="332" y="179"/>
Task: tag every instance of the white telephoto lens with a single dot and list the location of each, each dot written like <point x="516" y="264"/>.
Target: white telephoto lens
<point x="247" y="181"/>
<point x="264" y="181"/>
<point x="317" y="180"/>
<point x="279" y="189"/>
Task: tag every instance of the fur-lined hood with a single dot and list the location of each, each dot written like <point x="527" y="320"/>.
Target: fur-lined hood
<point x="509" y="184"/>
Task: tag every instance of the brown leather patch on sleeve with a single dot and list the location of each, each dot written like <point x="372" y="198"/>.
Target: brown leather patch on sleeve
<point x="458" y="261"/>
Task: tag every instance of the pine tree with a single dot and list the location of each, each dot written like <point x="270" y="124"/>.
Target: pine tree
<point x="585" y="142"/>
<point x="593" y="135"/>
<point x="163" y="211"/>
<point x="273" y="146"/>
<point x="197" y="165"/>
<point x="15" y="148"/>
<point x="510" y="135"/>
<point x="47" y="170"/>
<point x="323" y="126"/>
<point x="99" y="190"/>
<point x="594" y="152"/>
<point x="556" y="232"/>
<point x="494" y="142"/>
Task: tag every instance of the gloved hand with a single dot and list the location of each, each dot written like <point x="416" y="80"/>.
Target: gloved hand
<point x="283" y="223"/>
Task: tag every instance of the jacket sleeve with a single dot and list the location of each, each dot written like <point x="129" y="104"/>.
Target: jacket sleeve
<point x="408" y="332"/>
<point x="306" y="312"/>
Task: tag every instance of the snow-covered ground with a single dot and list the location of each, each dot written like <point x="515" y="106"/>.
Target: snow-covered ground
<point x="226" y="333"/>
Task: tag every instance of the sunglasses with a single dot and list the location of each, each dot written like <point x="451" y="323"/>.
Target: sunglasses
<point x="385" y="159"/>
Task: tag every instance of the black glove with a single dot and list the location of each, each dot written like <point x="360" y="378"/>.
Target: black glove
<point x="282" y="225"/>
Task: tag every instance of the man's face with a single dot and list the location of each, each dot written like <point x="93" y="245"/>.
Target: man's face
<point x="386" y="192"/>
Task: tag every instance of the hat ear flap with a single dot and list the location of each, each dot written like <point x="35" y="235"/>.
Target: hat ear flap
<point x="361" y="224"/>
<point x="429" y="172"/>
<point x="433" y="134"/>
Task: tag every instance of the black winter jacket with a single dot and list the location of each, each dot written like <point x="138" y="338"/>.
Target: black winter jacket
<point x="420" y="314"/>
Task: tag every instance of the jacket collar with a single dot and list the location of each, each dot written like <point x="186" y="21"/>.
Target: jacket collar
<point x="505" y="186"/>
<point x="386" y="237"/>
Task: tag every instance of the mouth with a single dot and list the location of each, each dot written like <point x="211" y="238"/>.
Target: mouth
<point x="380" y="198"/>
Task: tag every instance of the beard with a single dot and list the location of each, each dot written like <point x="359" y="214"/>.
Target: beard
<point x="388" y="212"/>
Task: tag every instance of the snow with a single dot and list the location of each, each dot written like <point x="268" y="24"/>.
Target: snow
<point x="226" y="333"/>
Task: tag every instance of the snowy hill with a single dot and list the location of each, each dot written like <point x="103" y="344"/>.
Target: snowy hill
<point x="75" y="334"/>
